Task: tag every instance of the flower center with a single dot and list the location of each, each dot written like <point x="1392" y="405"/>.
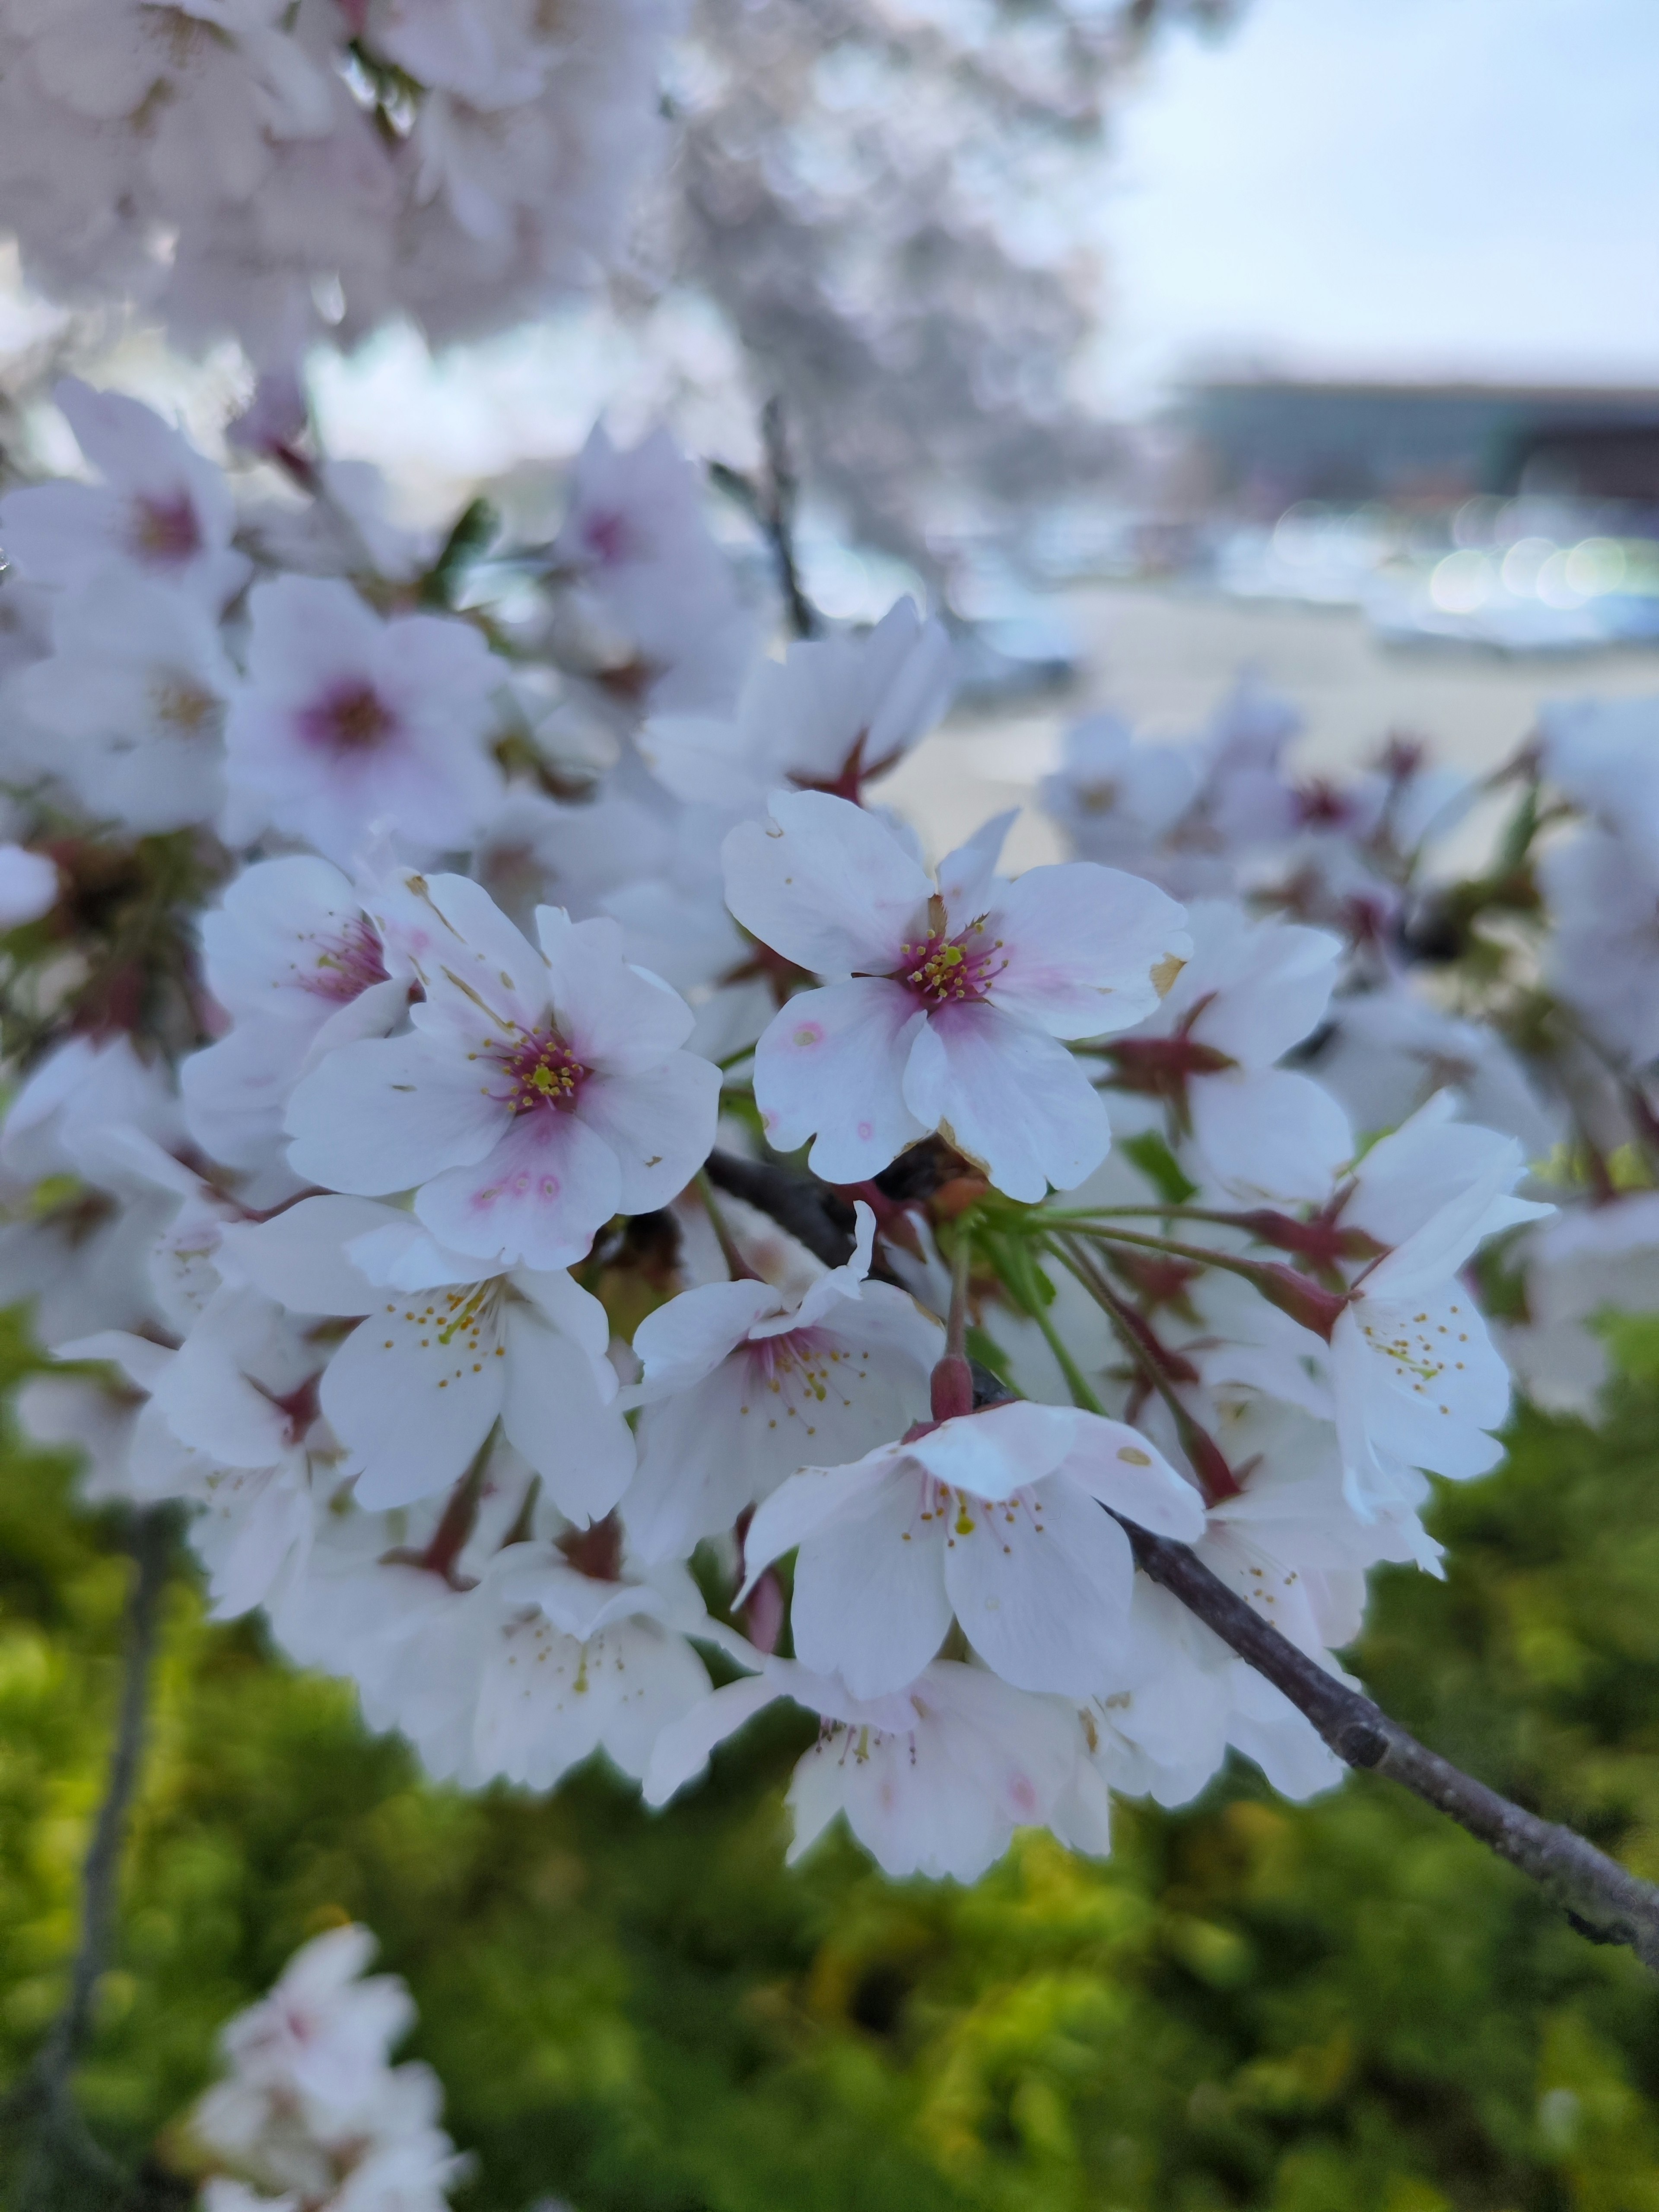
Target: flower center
<point x="165" y="531"/>
<point x="945" y="972"/>
<point x="542" y="1072"/>
<point x="185" y="709"/>
<point x="351" y="719"/>
<point x="346" y="965"/>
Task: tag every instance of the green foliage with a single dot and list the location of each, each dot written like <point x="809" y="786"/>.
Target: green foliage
<point x="1346" y="2007"/>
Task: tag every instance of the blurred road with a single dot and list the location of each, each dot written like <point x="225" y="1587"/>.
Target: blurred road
<point x="1162" y="659"/>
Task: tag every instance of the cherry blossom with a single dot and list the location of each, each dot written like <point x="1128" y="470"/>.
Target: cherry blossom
<point x="292" y="955"/>
<point x="993" y="1518"/>
<point x="1249" y="991"/>
<point x="932" y="1779"/>
<point x="537" y="1092"/>
<point x="414" y="1392"/>
<point x="130" y="707"/>
<point x="834" y="714"/>
<point x="347" y="719"/>
<point x="956" y="993"/>
<point x="743" y="1384"/>
<point x="162" y="513"/>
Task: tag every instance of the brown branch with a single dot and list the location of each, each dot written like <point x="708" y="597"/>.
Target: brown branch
<point x="1603" y="1899"/>
<point x="61" y="2142"/>
<point x="809" y="1210"/>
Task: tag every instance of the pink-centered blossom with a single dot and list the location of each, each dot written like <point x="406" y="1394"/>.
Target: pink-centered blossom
<point x="952" y="999"/>
<point x="538" y="1092"/>
<point x="993" y="1519"/>
<point x="347" y="720"/>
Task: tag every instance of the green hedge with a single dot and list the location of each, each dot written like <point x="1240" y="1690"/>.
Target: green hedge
<point x="1345" y="2007"/>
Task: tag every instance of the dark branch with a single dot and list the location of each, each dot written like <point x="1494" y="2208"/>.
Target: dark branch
<point x="1603" y="1898"/>
<point x="61" y="2139"/>
<point x="810" y="1212"/>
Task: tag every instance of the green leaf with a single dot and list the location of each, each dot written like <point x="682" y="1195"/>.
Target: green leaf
<point x="1160" y="1167"/>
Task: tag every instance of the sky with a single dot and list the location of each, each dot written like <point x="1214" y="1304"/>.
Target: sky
<point x="1462" y="186"/>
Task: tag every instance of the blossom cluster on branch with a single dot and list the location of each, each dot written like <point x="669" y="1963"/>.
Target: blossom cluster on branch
<point x="518" y="1138"/>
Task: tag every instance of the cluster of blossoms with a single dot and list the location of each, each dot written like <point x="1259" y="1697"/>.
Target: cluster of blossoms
<point x="516" y="1137"/>
<point x="270" y="168"/>
<point x="310" y="2116"/>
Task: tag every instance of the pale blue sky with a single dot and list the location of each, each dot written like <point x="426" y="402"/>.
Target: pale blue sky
<point x="1449" y="186"/>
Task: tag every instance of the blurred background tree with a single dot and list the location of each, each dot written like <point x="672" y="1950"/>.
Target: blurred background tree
<point x="1302" y="2010"/>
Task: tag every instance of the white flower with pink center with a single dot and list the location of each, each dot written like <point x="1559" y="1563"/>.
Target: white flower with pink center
<point x="347" y="720"/>
<point x="293" y="958"/>
<point x="537" y="1093"/>
<point x="933" y="1779"/>
<point x="951" y="998"/>
<point x="744" y="1385"/>
<point x="162" y="510"/>
<point x="993" y="1519"/>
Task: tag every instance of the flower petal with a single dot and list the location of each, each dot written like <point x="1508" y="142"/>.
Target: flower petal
<point x="557" y="1414"/>
<point x="824" y="884"/>
<point x="869" y="1600"/>
<point x="1011" y="1098"/>
<point x="1079" y="943"/>
<point x="1042" y="1587"/>
<point x="535" y="1200"/>
<point x="384" y="1115"/>
<point x="658" y="1124"/>
<point x="414" y="1391"/>
<point x="832" y="1061"/>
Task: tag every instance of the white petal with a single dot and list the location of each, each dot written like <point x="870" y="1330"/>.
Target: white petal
<point x="824" y="884"/>
<point x="414" y="1391"/>
<point x="869" y="1600"/>
<point x="299" y="1257"/>
<point x="1269" y="1135"/>
<point x="660" y="1124"/>
<point x="555" y="1413"/>
<point x="1011" y="1098"/>
<point x="537" y="1199"/>
<point x="384" y="1116"/>
<point x="1042" y="1588"/>
<point x="681" y="1750"/>
<point x="1123" y="1469"/>
<point x="832" y="1062"/>
<point x="1079" y="943"/>
<point x="688" y="1338"/>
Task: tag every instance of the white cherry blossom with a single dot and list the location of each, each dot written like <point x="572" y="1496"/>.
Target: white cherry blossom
<point x="162" y="512"/>
<point x="441" y="1355"/>
<point x="537" y="1093"/>
<point x="932" y="1779"/>
<point x="993" y="1518"/>
<point x="743" y="1384"/>
<point x="347" y="719"/>
<point x="1249" y="991"/>
<point x="296" y="958"/>
<point x="128" y="710"/>
<point x="956" y="994"/>
<point x="833" y="714"/>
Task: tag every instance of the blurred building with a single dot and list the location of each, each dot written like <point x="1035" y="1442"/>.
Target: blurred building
<point x="1265" y="442"/>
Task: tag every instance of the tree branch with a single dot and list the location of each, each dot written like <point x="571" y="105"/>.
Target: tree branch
<point x="1603" y="1899"/>
<point x="61" y="2137"/>
<point x="813" y="1213"/>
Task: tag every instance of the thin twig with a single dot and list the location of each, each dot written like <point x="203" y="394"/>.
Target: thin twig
<point x="777" y="517"/>
<point x="61" y="2136"/>
<point x="1603" y="1899"/>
